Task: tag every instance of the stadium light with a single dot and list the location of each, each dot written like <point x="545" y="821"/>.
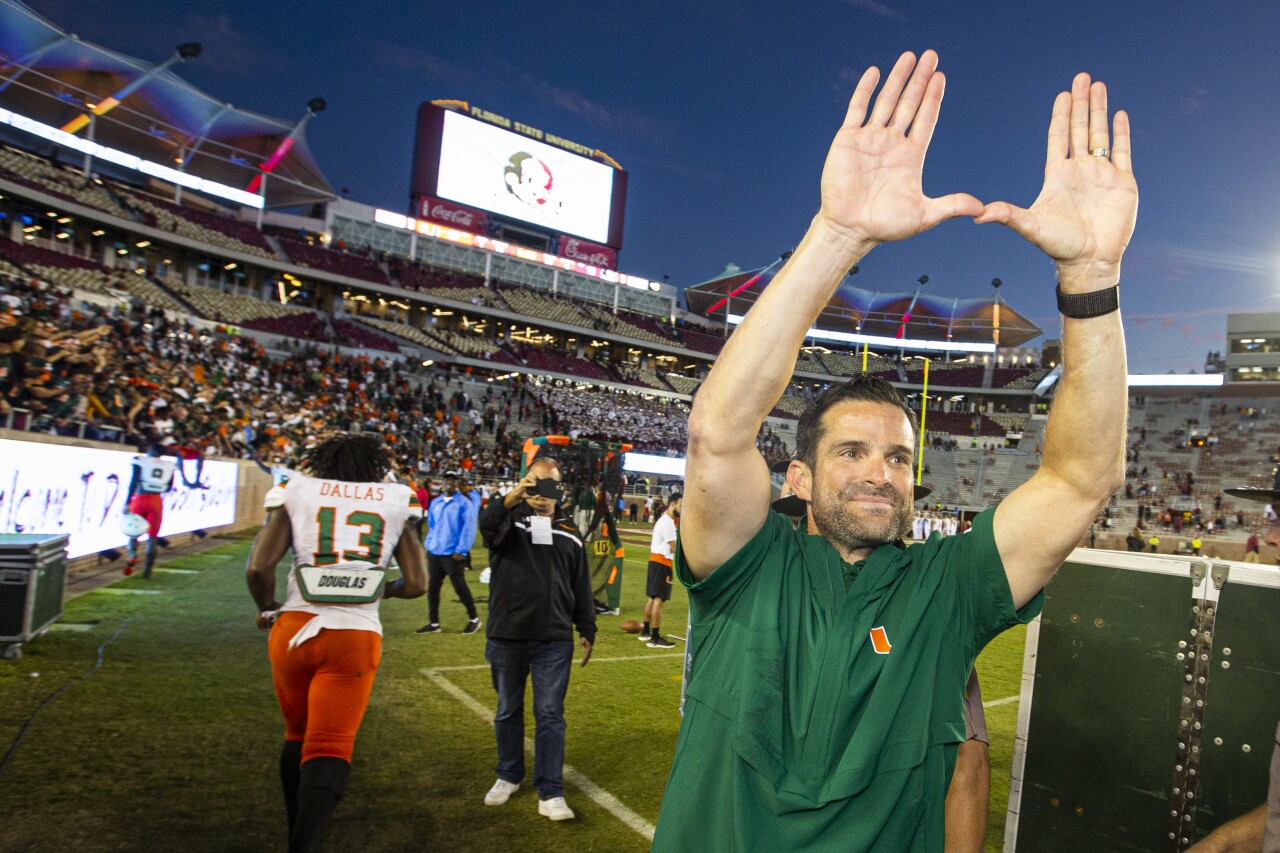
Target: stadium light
<point x="906" y="317"/>
<point x="726" y="301"/>
<point x="314" y="106"/>
<point x="995" y="311"/>
<point x="184" y="51"/>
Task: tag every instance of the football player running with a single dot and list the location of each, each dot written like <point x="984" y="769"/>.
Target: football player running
<point x="344" y="524"/>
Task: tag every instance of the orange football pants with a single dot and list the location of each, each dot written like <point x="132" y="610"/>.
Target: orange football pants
<point x="323" y="685"/>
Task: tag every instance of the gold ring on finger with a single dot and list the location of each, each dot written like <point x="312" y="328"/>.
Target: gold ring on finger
<point x="1100" y="152"/>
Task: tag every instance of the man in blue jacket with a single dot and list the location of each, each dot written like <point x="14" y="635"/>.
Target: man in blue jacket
<point x="451" y="531"/>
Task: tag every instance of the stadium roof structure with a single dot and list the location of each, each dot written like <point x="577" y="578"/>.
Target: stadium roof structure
<point x="853" y="309"/>
<point x="52" y="76"/>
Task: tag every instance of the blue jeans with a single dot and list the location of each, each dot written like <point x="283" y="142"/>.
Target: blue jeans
<point x="510" y="662"/>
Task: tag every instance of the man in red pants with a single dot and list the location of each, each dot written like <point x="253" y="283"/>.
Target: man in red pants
<point x="152" y="477"/>
<point x="344" y="525"/>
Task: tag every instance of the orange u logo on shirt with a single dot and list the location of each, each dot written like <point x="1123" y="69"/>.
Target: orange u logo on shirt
<point x="880" y="641"/>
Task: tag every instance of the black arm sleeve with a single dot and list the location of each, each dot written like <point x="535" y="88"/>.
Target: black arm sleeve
<point x="494" y="524"/>
<point x="584" y="607"/>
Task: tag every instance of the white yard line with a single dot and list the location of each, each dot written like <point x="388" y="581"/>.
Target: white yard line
<point x="599" y="795"/>
<point x="1005" y="701"/>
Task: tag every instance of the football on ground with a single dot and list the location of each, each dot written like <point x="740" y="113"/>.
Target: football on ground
<point x="631" y="626"/>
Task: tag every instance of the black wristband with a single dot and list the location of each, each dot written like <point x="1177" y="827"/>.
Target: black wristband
<point x="1083" y="306"/>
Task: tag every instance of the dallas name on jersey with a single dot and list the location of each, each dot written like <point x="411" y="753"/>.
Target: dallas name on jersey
<point x="337" y="523"/>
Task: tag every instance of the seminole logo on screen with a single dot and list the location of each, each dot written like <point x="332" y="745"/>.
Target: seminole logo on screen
<point x="529" y="180"/>
<point x="504" y="173"/>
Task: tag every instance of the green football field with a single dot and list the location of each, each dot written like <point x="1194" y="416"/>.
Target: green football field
<point x="173" y="742"/>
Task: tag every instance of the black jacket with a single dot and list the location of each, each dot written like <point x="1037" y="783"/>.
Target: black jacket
<point x="536" y="592"/>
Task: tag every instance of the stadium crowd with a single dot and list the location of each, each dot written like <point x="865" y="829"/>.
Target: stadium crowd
<point x="128" y="373"/>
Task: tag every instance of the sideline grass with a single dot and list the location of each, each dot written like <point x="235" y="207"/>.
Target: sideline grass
<point x="173" y="743"/>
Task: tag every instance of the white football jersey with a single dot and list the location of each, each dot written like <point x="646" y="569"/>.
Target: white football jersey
<point x="663" y="541"/>
<point x="337" y="522"/>
<point x="155" y="473"/>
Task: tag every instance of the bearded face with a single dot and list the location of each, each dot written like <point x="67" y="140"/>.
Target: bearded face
<point x="849" y="521"/>
<point x="860" y="487"/>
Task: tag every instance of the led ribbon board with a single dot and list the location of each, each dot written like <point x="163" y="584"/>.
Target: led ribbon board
<point x="882" y="341"/>
<point x="129" y="161"/>
<point x="82" y="492"/>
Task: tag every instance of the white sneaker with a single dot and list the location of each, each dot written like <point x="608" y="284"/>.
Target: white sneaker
<point x="500" y="792"/>
<point x="555" y="808"/>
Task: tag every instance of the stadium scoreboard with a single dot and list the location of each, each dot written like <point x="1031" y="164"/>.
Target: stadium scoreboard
<point x="471" y="167"/>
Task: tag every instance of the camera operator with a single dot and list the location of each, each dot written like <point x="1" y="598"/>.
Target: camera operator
<point x="539" y="591"/>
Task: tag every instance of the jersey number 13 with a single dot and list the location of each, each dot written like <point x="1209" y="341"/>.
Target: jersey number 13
<point x="368" y="543"/>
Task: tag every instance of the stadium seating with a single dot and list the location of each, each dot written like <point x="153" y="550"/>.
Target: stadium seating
<point x="460" y="287"/>
<point x="1004" y="472"/>
<point x="647" y="327"/>
<point x="219" y="231"/>
<point x="701" y="341"/>
<point x="28" y="252"/>
<point x="791" y="405"/>
<point x="624" y="325"/>
<point x="66" y="270"/>
<point x="146" y="290"/>
<point x="229" y="307"/>
<point x="961" y="424"/>
<point x="334" y="261"/>
<point x="945" y="477"/>
<point x="364" y="337"/>
<point x="476" y="346"/>
<point x="540" y="358"/>
<point x="958" y="377"/>
<point x="409" y="333"/>
<point x="1004" y="377"/>
<point x="682" y="384"/>
<point x="473" y="346"/>
<point x="848" y="364"/>
<point x="302" y="325"/>
<point x="810" y="362"/>
<point x="1027" y="381"/>
<point x="533" y="304"/>
<point x="1011" y="423"/>
<point x="649" y="378"/>
<point x="71" y="185"/>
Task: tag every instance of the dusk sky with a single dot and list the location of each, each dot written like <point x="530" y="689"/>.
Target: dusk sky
<point x="722" y="114"/>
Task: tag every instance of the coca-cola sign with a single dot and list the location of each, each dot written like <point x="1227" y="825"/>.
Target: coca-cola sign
<point x="456" y="216"/>
<point x="588" y="253"/>
<point x="453" y="215"/>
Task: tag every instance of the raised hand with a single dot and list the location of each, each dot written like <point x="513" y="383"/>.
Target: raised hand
<point x="1085" y="213"/>
<point x="871" y="183"/>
